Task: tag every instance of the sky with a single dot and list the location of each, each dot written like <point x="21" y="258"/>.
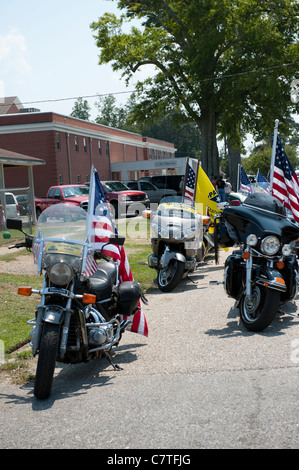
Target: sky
<point x="47" y="52"/>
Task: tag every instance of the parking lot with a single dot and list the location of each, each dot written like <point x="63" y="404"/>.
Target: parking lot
<point x="198" y="381"/>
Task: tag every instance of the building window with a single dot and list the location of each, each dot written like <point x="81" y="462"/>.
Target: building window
<point x="60" y="179"/>
<point x="100" y="147"/>
<point x="76" y="144"/>
<point x="58" y="140"/>
<point x="155" y="154"/>
<point x="85" y="145"/>
<point x="79" y="179"/>
<point x="107" y="148"/>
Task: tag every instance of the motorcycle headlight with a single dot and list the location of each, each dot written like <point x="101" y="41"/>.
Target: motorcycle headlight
<point x="270" y="245"/>
<point x="251" y="240"/>
<point x="189" y="231"/>
<point x="286" y="250"/>
<point x="60" y="273"/>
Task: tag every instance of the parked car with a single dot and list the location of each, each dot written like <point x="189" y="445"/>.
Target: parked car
<point x="11" y="206"/>
<point x="77" y="194"/>
<point x="154" y="193"/>
<point x="164" y="181"/>
<point x="122" y="198"/>
<point x="23" y="203"/>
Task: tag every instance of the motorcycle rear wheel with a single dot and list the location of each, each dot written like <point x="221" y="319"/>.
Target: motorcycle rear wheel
<point x="46" y="360"/>
<point x="169" y="278"/>
<point x="259" y="313"/>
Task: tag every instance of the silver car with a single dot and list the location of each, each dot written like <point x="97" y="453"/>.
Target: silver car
<point x="154" y="193"/>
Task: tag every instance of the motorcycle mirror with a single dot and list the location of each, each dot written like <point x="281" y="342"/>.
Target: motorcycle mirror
<point x="15" y="224"/>
<point x="117" y="239"/>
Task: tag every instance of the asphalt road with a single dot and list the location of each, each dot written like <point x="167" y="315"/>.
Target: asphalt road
<point x="200" y="380"/>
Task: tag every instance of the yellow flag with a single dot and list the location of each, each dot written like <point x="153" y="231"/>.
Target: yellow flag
<point x="206" y="197"/>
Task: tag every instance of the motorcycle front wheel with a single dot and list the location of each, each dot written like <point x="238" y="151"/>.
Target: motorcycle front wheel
<point x="169" y="277"/>
<point x="259" y="312"/>
<point x="46" y="360"/>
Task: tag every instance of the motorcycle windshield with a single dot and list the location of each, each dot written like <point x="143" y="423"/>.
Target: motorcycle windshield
<point x="61" y="234"/>
<point x="174" y="219"/>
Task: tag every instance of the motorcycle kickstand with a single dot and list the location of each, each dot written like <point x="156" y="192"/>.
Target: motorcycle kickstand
<point x="190" y="279"/>
<point x="109" y="359"/>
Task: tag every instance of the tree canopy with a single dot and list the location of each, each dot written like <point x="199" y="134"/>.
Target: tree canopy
<point x="81" y="109"/>
<point x="225" y="64"/>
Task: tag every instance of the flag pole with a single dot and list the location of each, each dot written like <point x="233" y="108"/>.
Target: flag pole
<point x="195" y="184"/>
<point x="238" y="177"/>
<point x="90" y="208"/>
<point x="185" y="178"/>
<point x="273" y="155"/>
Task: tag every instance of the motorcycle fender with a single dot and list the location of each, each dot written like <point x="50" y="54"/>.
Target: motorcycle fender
<point x="172" y="255"/>
<point x="272" y="279"/>
<point x="54" y="314"/>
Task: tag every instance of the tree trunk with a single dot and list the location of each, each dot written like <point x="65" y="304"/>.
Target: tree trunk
<point x="234" y="158"/>
<point x="209" y="149"/>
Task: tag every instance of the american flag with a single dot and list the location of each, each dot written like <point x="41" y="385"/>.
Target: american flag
<point x="262" y="182"/>
<point x="245" y="184"/>
<point x="102" y="226"/>
<point x="191" y="173"/>
<point x="285" y="182"/>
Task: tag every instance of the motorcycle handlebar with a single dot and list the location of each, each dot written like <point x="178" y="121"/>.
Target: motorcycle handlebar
<point x="27" y="244"/>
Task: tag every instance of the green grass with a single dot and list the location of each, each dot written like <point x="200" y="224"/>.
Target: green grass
<point x="16" y="310"/>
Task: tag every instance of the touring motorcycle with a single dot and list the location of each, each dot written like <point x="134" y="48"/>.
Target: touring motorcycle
<point x="83" y="309"/>
<point x="264" y="270"/>
<point x="176" y="241"/>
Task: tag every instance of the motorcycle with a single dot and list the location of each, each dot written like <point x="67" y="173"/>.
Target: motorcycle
<point x="264" y="270"/>
<point x="80" y="315"/>
<point x="176" y="241"/>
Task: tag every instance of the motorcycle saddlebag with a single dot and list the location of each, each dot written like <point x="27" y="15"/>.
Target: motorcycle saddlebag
<point x="289" y="273"/>
<point x="128" y="296"/>
<point x="222" y="234"/>
<point x="233" y="274"/>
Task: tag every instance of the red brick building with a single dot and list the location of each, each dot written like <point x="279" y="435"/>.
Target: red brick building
<point x="69" y="146"/>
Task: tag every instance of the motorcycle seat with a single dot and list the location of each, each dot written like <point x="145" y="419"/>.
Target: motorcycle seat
<point x="110" y="268"/>
<point x="103" y="279"/>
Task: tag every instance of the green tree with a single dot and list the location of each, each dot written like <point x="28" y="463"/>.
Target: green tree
<point x="109" y="114"/>
<point x="184" y="135"/>
<point x="81" y="110"/>
<point x="260" y="158"/>
<point x="199" y="48"/>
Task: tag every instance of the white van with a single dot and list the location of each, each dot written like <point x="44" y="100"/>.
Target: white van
<point x="12" y="207"/>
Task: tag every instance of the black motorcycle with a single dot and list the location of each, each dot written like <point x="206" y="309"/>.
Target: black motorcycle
<point x="264" y="270"/>
<point x="80" y="315"/>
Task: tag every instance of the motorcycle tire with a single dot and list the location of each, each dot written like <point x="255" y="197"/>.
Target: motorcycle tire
<point x="168" y="279"/>
<point x="259" y="313"/>
<point x="46" y="360"/>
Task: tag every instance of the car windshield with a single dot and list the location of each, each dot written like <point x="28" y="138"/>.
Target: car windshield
<point x="75" y="191"/>
<point x="9" y="199"/>
<point x="115" y="186"/>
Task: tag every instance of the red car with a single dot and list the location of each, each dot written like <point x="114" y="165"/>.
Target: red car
<point x="123" y="199"/>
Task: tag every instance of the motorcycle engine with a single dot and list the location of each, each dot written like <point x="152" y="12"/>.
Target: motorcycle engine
<point x="100" y="335"/>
